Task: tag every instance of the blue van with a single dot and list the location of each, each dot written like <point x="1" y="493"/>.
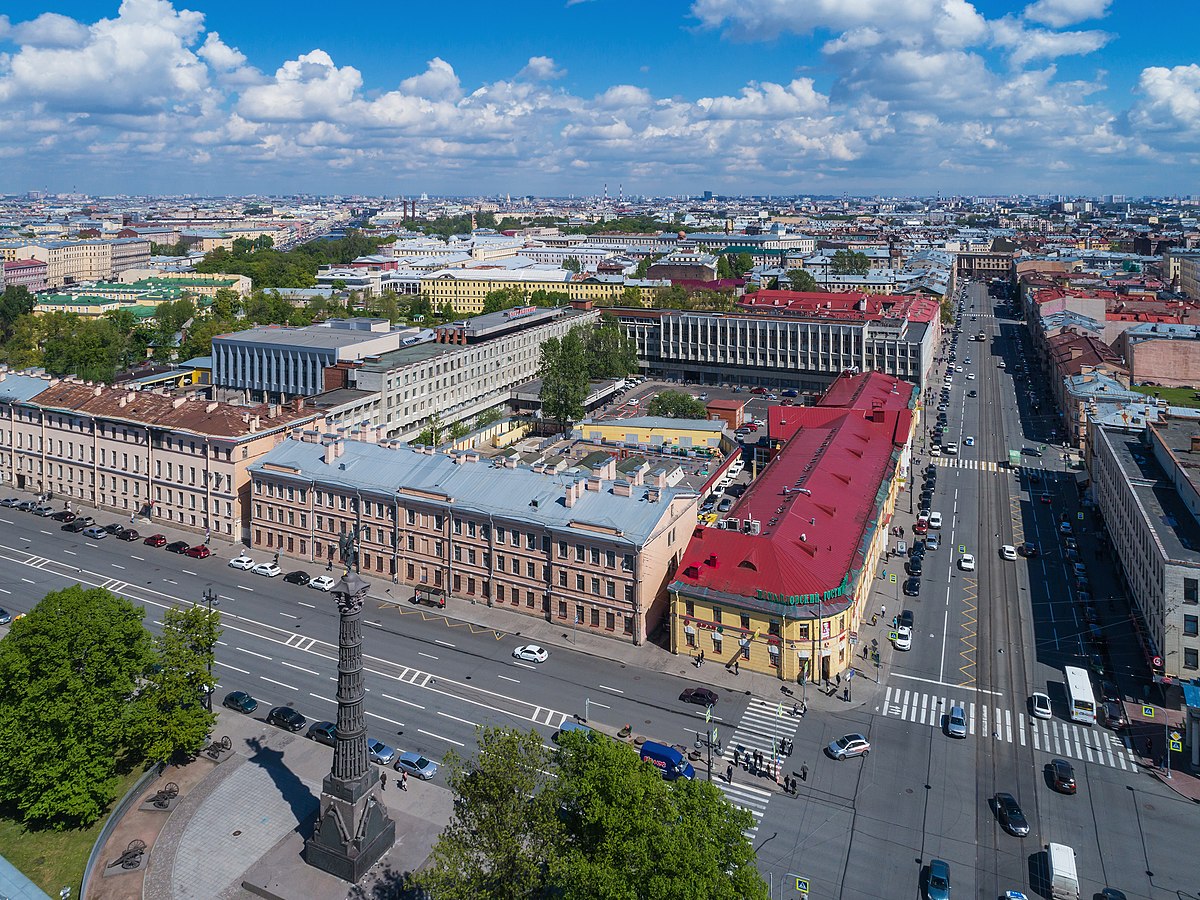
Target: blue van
<point x="671" y="763"/>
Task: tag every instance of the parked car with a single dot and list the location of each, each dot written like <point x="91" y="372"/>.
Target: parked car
<point x="937" y="886"/>
<point x="128" y="535"/>
<point x="200" y="551"/>
<point x="913" y="566"/>
<point x="5" y="617"/>
<point x="903" y="639"/>
<point x="115" y="530"/>
<point x="64" y="516"/>
<point x="701" y="696"/>
<point x="298" y="577"/>
<point x="286" y="717"/>
<point x="935" y="520"/>
<point x="269" y="569"/>
<point x="1112" y="715"/>
<point x="95" y="532"/>
<point x="177" y="547"/>
<point x="240" y="701"/>
<point x="1029" y="550"/>
<point x="323" y="733"/>
<point x="156" y="540"/>
<point x="1039" y="705"/>
<point x="1062" y="776"/>
<point x="322" y="583"/>
<point x="241" y="562"/>
<point x="849" y="745"/>
<point x="531" y="653"/>
<point x="966" y="562"/>
<point x="76" y="526"/>
<point x="10" y="501"/>
<point x="416" y="765"/>
<point x="932" y="542"/>
<point x="912" y="587"/>
<point x="380" y="753"/>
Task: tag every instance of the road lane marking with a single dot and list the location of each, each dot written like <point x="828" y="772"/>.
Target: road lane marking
<point x="513" y="680"/>
<point x="4" y="591"/>
<point x="280" y="683"/>
<point x="402" y="700"/>
<point x="386" y="719"/>
<point x="517" y="662"/>
<point x="228" y="666"/>
<point x="252" y="652"/>
<point x="440" y="737"/>
<point x="961" y="687"/>
<point x="223" y="597"/>
<point x="426" y="655"/>
<point x="601" y="705"/>
<point x="115" y="566"/>
<point x="242" y="587"/>
<point x="27" y="581"/>
<point x="169" y="581"/>
<point x="607" y="688"/>
<point x="443" y="643"/>
<point x="138" y="558"/>
<point x="309" y="605"/>
<point x="321" y="697"/>
<point x="300" y="668"/>
<point x="288" y="615"/>
<point x="186" y="572"/>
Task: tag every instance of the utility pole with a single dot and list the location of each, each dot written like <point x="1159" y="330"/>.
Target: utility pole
<point x="210" y="600"/>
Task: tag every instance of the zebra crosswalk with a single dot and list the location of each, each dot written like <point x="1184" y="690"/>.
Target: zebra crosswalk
<point x="955" y="462"/>
<point x="763" y="727"/>
<point x="1069" y="739"/>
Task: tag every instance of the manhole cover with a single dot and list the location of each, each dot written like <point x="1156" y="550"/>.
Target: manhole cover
<point x="908" y="790"/>
<point x="1148" y="807"/>
<point x="237" y="833"/>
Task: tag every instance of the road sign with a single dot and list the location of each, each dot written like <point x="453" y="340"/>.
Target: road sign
<point x="962" y="548"/>
<point x="1156" y="662"/>
<point x="892" y="577"/>
<point x="802" y="884"/>
<point x="853" y="638"/>
<point x="1176" y="736"/>
<point x="1079" y="516"/>
<point x="892" y="635"/>
<point x="850" y="674"/>
<point x="1177" y="746"/>
<point x="1148" y="712"/>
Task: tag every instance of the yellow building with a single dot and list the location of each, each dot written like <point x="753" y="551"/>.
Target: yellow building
<point x="466" y="290"/>
<point x="80" y="305"/>
<point x="785" y="587"/>
<point x="658" y="432"/>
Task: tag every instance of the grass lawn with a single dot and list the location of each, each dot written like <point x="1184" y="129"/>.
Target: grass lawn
<point x="55" y="859"/>
<point x="1175" y="396"/>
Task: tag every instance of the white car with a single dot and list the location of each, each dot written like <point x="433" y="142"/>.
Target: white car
<point x="531" y="653"/>
<point x="966" y="562"/>
<point x="1008" y="551"/>
<point x="322" y="583"/>
<point x="1040" y="704"/>
<point x="631" y="402"/>
<point x="970" y="376"/>
<point x="958" y="368"/>
<point x="969" y="442"/>
<point x="903" y="639"/>
<point x="241" y="562"/>
<point x="951" y="449"/>
<point x="935" y="520"/>
<point x="268" y="569"/>
<point x="1065" y="528"/>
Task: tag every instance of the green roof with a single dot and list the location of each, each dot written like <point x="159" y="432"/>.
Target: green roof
<point x="75" y="300"/>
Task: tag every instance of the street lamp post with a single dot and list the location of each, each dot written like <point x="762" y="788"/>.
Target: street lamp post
<point x="210" y="600"/>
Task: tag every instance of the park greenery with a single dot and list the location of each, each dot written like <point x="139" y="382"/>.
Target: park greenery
<point x="677" y="405"/>
<point x="849" y="262"/>
<point x="801" y="280"/>
<point x="582" y="355"/>
<point x="734" y="265"/>
<point x="296" y="268"/>
<point x="87" y="694"/>
<point x="586" y="820"/>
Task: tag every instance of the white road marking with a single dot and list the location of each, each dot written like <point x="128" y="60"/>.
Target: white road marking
<point x="280" y="683"/>
<point x="288" y="615"/>
<point x="300" y="668"/>
<point x="27" y="581"/>
<point x="402" y="700"/>
<point x="73" y="553"/>
<point x="427" y="655"/>
<point x="235" y="668"/>
<point x="115" y="566"/>
<point x="443" y="643"/>
<point x="223" y="597"/>
<point x="138" y="558"/>
<point x="186" y="572"/>
<point x="440" y="737"/>
<point x="309" y="605"/>
<point x="386" y="719"/>
<point x="607" y="688"/>
<point x="251" y="652"/>
<point x="242" y="587"/>
<point x="513" y="680"/>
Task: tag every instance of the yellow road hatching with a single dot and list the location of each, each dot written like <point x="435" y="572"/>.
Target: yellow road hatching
<point x="1018" y="521"/>
<point x="969" y="623"/>
<point x="428" y="616"/>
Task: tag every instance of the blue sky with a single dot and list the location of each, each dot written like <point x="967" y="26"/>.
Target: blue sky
<point x="892" y="97"/>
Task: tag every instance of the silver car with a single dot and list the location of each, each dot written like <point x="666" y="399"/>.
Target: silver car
<point x="380" y="752"/>
<point x="956" y="722"/>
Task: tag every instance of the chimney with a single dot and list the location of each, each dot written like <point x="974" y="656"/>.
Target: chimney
<point x="339" y="448"/>
<point x="1196" y="443"/>
<point x="622" y="489"/>
<point x="97" y="391"/>
<point x="211" y="407"/>
<point x="571" y="494"/>
<point x="178" y="402"/>
<point x="593" y="483"/>
<point x="122" y="402"/>
<point x="298" y="404"/>
<point x="255" y="423"/>
<point x="329" y="454"/>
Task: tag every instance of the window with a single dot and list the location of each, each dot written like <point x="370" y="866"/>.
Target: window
<point x="410" y="517"/>
<point x="610" y="559"/>
<point x="773" y="629"/>
<point x="579" y="552"/>
<point x="627" y="562"/>
<point x="595" y="618"/>
<point x="562" y="609"/>
<point x="595" y="556"/>
<point x="1191" y="625"/>
<point x="562" y="549"/>
<point x="562" y="577"/>
<point x="610" y="589"/>
<point x="1191" y="658"/>
<point x="1191" y="591"/>
<point x="499" y="535"/>
<point x="530" y="570"/>
<point x="610" y="621"/>
<point x="745" y="623"/>
<point x="689" y="608"/>
<point x="717" y="614"/>
<point x="579" y="583"/>
<point x="716" y="642"/>
<point x="629" y="624"/>
<point x="595" y="587"/>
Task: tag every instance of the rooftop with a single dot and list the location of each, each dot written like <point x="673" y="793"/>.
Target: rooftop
<point x="311" y="336"/>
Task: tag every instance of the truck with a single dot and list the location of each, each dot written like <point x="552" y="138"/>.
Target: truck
<point x="670" y="762"/>
<point x="1062" y="877"/>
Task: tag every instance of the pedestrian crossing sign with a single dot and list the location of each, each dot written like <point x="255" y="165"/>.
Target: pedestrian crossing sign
<point x="1177" y="746"/>
<point x="892" y="577"/>
<point x="1148" y="712"/>
<point x="802" y="884"/>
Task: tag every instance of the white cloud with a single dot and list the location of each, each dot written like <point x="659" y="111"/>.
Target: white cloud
<point x="766" y="100"/>
<point x="1060" y="13"/>
<point x="437" y="82"/>
<point x="220" y="55"/>
<point x="1026" y="45"/>
<point x="1169" y="101"/>
<point x="307" y="88"/>
<point x="49" y="30"/>
<point x="541" y="68"/>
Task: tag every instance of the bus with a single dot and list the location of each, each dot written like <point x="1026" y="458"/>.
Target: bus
<point x="1079" y="695"/>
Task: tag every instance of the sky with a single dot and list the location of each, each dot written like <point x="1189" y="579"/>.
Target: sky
<point x="562" y="97"/>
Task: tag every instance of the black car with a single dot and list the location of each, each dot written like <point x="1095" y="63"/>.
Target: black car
<point x="914" y="567"/>
<point x="323" y="733"/>
<point x="912" y="587"/>
<point x="972" y="393"/>
<point x="1062" y="776"/>
<point x="931" y="471"/>
<point x="64" y="516"/>
<point x="300" y="578"/>
<point x="177" y="547"/>
<point x="240" y="701"/>
<point x="1028" y="549"/>
<point x="1012" y="819"/>
<point x="1109" y="692"/>
<point x="128" y="535"/>
<point x="115" y="530"/>
<point x="286" y="717"/>
<point x="1031" y="451"/>
<point x="701" y="696"/>
<point x="906" y="619"/>
<point x="75" y="526"/>
<point x="918" y="548"/>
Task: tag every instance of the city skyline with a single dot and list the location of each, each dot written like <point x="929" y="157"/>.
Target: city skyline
<point x="746" y="97"/>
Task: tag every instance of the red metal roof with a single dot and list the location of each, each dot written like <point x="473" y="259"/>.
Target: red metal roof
<point x="816" y="501"/>
<point x="853" y="305"/>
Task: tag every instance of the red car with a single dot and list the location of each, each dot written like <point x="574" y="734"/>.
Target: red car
<point x="1045" y="498"/>
<point x="156" y="540"/>
<point x="758" y="390"/>
<point x="199" y="552"/>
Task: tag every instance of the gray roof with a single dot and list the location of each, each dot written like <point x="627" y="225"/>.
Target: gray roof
<point x="17" y="388"/>
<point x="309" y="336"/>
<point x="515" y="494"/>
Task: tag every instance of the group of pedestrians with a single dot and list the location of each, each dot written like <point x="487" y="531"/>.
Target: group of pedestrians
<point x="403" y="780"/>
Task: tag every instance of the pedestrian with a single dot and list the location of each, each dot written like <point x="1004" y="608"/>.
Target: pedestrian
<point x="882" y="611"/>
<point x="804" y="772"/>
<point x="735" y="667"/>
<point x="846" y="693"/>
<point x="329" y="565"/>
<point x="729" y="774"/>
<point x="736" y="757"/>
<point x="403" y="780"/>
<point x="207" y="535"/>
<point x="383" y="781"/>
<point x="701" y="657"/>
<point x="1149" y="747"/>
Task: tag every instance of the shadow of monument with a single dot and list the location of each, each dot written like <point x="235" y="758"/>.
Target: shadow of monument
<point x="389" y="884"/>
<point x="302" y="801"/>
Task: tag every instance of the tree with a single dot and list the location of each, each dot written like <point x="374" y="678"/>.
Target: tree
<point x="585" y="821"/>
<point x="741" y="264"/>
<point x="564" y="374"/>
<point x="846" y="262"/>
<point x="16" y="301"/>
<point x="504" y="298"/>
<point x="486" y="418"/>
<point x="610" y="354"/>
<point x="197" y="340"/>
<point x="677" y="405"/>
<point x="572" y="264"/>
<point x="69" y="676"/>
<point x="802" y="281"/>
<point x="171" y="719"/>
<point x="504" y="824"/>
<point x="459" y="430"/>
<point x="724" y="267"/>
<point x="226" y="304"/>
<point x="631" y="296"/>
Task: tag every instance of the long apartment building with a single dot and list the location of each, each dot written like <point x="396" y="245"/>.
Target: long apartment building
<point x="178" y="461"/>
<point x="72" y="262"/>
<point x="789" y="339"/>
<point x="590" y="550"/>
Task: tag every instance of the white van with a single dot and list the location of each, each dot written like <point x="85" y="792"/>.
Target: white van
<point x="1062" y="876"/>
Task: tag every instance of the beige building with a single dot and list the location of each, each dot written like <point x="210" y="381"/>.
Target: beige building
<point x="202" y="284"/>
<point x="72" y="262"/>
<point x="590" y="551"/>
<point x="171" y="460"/>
